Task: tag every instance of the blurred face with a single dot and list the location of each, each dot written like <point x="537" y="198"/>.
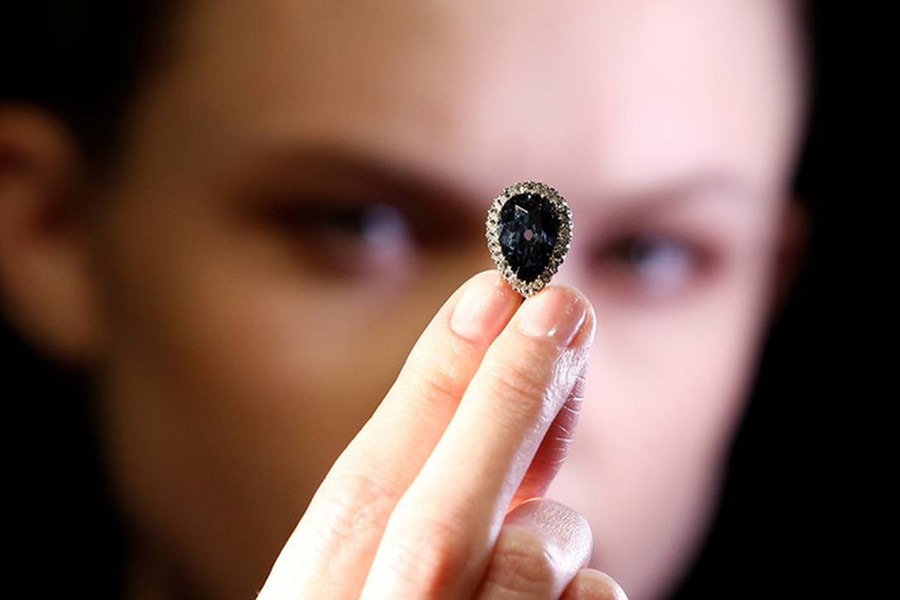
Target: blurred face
<point x="305" y="182"/>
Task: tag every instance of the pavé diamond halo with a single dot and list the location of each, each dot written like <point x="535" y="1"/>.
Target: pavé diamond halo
<point x="529" y="231"/>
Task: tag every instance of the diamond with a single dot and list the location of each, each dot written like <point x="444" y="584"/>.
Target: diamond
<point x="529" y="231"/>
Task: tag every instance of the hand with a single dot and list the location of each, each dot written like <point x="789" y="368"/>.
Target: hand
<point x="438" y="495"/>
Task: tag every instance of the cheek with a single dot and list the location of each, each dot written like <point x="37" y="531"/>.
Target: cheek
<point x="664" y="393"/>
<point x="234" y="381"/>
<point x="226" y="409"/>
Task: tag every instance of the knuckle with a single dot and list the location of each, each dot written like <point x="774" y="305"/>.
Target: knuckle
<point x="519" y="387"/>
<point x="522" y="563"/>
<point x="430" y="557"/>
<point x="437" y="381"/>
<point x="354" y="505"/>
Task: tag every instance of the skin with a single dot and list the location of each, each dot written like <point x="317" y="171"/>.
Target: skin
<point x="240" y="337"/>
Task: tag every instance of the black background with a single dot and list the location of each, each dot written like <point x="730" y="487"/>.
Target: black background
<point x="798" y="509"/>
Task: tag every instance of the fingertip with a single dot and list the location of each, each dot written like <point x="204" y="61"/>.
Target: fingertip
<point x="560" y="312"/>
<point x="565" y="525"/>
<point x="485" y="305"/>
<point x="588" y="331"/>
<point x="591" y="584"/>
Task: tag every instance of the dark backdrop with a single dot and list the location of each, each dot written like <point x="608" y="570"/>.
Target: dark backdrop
<point x="800" y="513"/>
<point x="795" y="491"/>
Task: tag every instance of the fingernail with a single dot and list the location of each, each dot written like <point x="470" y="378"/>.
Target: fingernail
<point x="484" y="308"/>
<point x="556" y="313"/>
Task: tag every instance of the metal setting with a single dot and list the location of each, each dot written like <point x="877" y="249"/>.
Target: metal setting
<point x="561" y="246"/>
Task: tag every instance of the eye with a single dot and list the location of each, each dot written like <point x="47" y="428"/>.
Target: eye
<point x="376" y="227"/>
<point x="655" y="265"/>
<point x="364" y="239"/>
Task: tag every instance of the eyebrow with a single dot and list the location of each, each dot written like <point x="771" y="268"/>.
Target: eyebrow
<point x="339" y="164"/>
<point x="350" y="174"/>
<point x="360" y="166"/>
<point x="715" y="182"/>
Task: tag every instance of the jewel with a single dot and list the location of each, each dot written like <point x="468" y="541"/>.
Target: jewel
<point x="528" y="228"/>
<point x="529" y="231"/>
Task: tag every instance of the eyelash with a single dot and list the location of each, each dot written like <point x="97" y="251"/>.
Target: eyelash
<point x="652" y="264"/>
<point x="368" y="238"/>
<point x="353" y="239"/>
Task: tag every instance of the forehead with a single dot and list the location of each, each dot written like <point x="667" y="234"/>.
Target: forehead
<point x="599" y="94"/>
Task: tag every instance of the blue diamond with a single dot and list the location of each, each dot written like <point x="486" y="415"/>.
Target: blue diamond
<point x="529" y="228"/>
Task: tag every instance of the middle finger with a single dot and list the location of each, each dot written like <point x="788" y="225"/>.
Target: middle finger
<point x="439" y="538"/>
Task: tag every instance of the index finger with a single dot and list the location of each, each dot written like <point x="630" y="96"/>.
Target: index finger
<point x="441" y="535"/>
<point x="336" y="539"/>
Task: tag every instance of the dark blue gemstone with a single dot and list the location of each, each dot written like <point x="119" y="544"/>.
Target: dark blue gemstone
<point x="528" y="230"/>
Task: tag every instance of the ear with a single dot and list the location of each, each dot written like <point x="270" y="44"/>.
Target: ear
<point x="45" y="289"/>
<point x="791" y="254"/>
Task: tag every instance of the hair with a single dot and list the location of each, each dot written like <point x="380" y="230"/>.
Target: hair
<point x="81" y="61"/>
<point x="84" y="62"/>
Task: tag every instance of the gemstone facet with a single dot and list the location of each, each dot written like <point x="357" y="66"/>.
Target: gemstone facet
<point x="529" y="230"/>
